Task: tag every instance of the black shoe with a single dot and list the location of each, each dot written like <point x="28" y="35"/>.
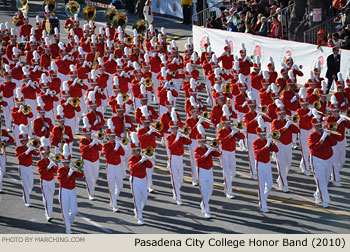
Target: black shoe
<point x="49" y="220"/>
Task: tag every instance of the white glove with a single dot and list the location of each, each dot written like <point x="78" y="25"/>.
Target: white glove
<point x="71" y="170"/>
<point x="43" y="128"/>
<point x="51" y="164"/>
<point x="268" y="89"/>
<point x="68" y="100"/>
<point x="150" y="131"/>
<point x="20" y="108"/>
<point x="288" y="124"/>
<point x="29" y="150"/>
<point x="208" y="151"/>
<point x="324" y="135"/>
<point x="4" y="138"/>
<point x="127" y="125"/>
<point x="47" y="91"/>
<point x="143" y="159"/>
<point x="65" y="136"/>
<point x="294" y="67"/>
<point x="59" y="145"/>
<point x="269" y="141"/>
<point x="96" y="122"/>
<point x="233" y="132"/>
<point x="218" y="127"/>
<point x="343" y="104"/>
<point x="46" y="125"/>
<point x="162" y="142"/>
<point x="166" y="85"/>
<point x="293" y="99"/>
<point x="177" y="137"/>
<point x="340" y="120"/>
<point x="94" y="142"/>
<point x="310" y="113"/>
<point x="117" y="145"/>
<point x="244" y="104"/>
<point x="200" y="120"/>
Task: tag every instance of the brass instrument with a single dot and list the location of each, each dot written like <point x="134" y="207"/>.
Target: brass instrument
<point x="186" y="130"/>
<point x="148" y="82"/>
<point x="264" y="108"/>
<point x="51" y="4"/>
<point x="214" y="143"/>
<point x="110" y="15"/>
<point x="332" y="126"/>
<point x="296" y="118"/>
<point x="57" y="158"/>
<point x="125" y="97"/>
<point x="316" y="105"/>
<point x="129" y="40"/>
<point x="239" y="125"/>
<point x="148" y="151"/>
<point x="227" y="89"/>
<point x="141" y="26"/>
<point x="75" y="102"/>
<point x="35" y="142"/>
<point x="26" y="109"/>
<point x="72" y="8"/>
<point x="78" y="165"/>
<point x="89" y="13"/>
<point x="100" y="135"/>
<point x="121" y="19"/>
<point x="158" y="126"/>
<point x="2" y="148"/>
<point x="275" y="135"/>
<point x="95" y="62"/>
<point x="22" y="5"/>
<point x="125" y="141"/>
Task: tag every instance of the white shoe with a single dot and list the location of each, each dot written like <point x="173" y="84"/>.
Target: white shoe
<point x="202" y="208"/>
<point x="285" y="189"/>
<point x="264" y="210"/>
<point x="150" y="190"/>
<point x="135" y="213"/>
<point x="27" y="204"/>
<point x="179" y="202"/>
<point x="140" y="222"/>
<point x="308" y="173"/>
<point x="230" y="196"/>
<point x="336" y="183"/>
<point x="116" y="209"/>
<point x="324" y="204"/>
<point x="294" y="146"/>
<point x="91" y="197"/>
<point x="207" y="216"/>
<point x="253" y="176"/>
<point x="49" y="219"/>
<point x="317" y="200"/>
<point x="194" y="183"/>
<point x="68" y="231"/>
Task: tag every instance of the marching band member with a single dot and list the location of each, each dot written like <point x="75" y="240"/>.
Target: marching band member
<point x="227" y="58"/>
<point x="339" y="149"/>
<point x="61" y="133"/>
<point x="143" y="99"/>
<point x="113" y="150"/>
<point x="262" y="147"/>
<point x="20" y="115"/>
<point x="4" y="138"/>
<point x="42" y="126"/>
<point x="293" y="67"/>
<point x="244" y="66"/>
<point x="227" y="136"/>
<point x="175" y="144"/>
<point x="271" y="71"/>
<point x="147" y="137"/>
<point x="66" y="176"/>
<point x="90" y="155"/>
<point x="256" y="79"/>
<point x="305" y="125"/>
<point x="8" y="88"/>
<point x="25" y="161"/>
<point x="204" y="158"/>
<point x="95" y="118"/>
<point x="47" y="168"/>
<point x="138" y="164"/>
<point x="321" y="144"/>
<point x="284" y="155"/>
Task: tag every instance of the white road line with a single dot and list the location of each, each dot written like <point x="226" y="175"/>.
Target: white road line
<point x="94" y="223"/>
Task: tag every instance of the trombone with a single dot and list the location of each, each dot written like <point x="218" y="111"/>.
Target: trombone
<point x="148" y="153"/>
<point x="148" y="82"/>
<point x="26" y="109"/>
<point x="75" y="102"/>
<point x="78" y="165"/>
<point x="332" y="128"/>
<point x="56" y="158"/>
<point x="35" y="142"/>
<point x="185" y="132"/>
<point x="206" y="117"/>
<point x="158" y="126"/>
<point x="214" y="143"/>
<point x="123" y="141"/>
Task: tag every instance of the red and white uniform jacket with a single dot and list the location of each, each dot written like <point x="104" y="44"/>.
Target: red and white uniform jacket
<point x="44" y="172"/>
<point x="201" y="160"/>
<point x="192" y="123"/>
<point x="68" y="109"/>
<point x="321" y="150"/>
<point x="138" y="169"/>
<point x="119" y="126"/>
<point x="305" y="120"/>
<point x="228" y="143"/>
<point x="96" y="120"/>
<point x="57" y="136"/>
<point x="23" y="159"/>
<point x="40" y="129"/>
<point x="166" y="119"/>
<point x="177" y="148"/>
<point x="286" y="134"/>
<point x="262" y="154"/>
<point x="19" y="118"/>
<point x="112" y="156"/>
<point x="90" y="153"/>
<point x="151" y="111"/>
<point x="147" y="140"/>
<point x="65" y="181"/>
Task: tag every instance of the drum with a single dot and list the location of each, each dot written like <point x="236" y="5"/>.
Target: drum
<point x="50" y="25"/>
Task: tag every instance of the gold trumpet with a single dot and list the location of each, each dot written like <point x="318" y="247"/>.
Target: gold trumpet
<point x="275" y="134"/>
<point x="214" y="143"/>
<point x="227" y="89"/>
<point x="100" y="135"/>
<point x="129" y="40"/>
<point x="78" y="165"/>
<point x="35" y="142"/>
<point x="158" y="126"/>
<point x="57" y="158"/>
<point x="316" y="105"/>
<point x="125" y="97"/>
<point x="295" y="119"/>
<point x="148" y="82"/>
<point x="239" y="125"/>
<point x="332" y="126"/>
<point x="264" y="108"/>
<point x="148" y="151"/>
<point x="186" y="130"/>
<point x="26" y="109"/>
<point x="89" y="13"/>
<point x="75" y="102"/>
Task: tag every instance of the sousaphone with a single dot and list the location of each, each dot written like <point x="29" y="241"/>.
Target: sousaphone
<point x="72" y="8"/>
<point x="110" y="15"/>
<point x="121" y="19"/>
<point x="51" y="4"/>
<point x="89" y="13"/>
<point x="141" y="26"/>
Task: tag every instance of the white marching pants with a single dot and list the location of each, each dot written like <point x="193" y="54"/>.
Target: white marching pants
<point x="264" y="182"/>
<point x="206" y="187"/>
<point x="115" y="175"/>
<point x="27" y="179"/>
<point x="72" y="122"/>
<point x="69" y="206"/>
<point x="229" y="169"/>
<point x="91" y="171"/>
<point x="251" y="155"/>
<point x="177" y="174"/>
<point x="208" y="87"/>
<point x="305" y="151"/>
<point x="194" y="172"/>
<point x="63" y="77"/>
<point x="137" y="103"/>
<point x="149" y="172"/>
<point x="48" y="191"/>
<point x="166" y="146"/>
<point x="255" y="95"/>
<point x="246" y="79"/>
<point x="322" y="170"/>
<point x="338" y="159"/>
<point x="139" y="193"/>
<point x="155" y="85"/>
<point x="125" y="159"/>
<point x="162" y="110"/>
<point x="2" y="168"/>
<point x="7" y="111"/>
<point x="284" y="161"/>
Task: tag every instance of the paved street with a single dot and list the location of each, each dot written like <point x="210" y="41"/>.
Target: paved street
<point x="293" y="212"/>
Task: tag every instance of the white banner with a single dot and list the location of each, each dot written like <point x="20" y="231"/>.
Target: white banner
<point x="167" y="7"/>
<point x="305" y="55"/>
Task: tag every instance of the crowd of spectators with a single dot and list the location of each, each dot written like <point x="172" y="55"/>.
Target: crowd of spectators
<point x="340" y="38"/>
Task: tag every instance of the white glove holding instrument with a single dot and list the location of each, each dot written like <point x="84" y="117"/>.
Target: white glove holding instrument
<point x="71" y="170"/>
<point x="208" y="151"/>
<point x="30" y="149"/>
<point x="269" y="141"/>
<point x="324" y="135"/>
